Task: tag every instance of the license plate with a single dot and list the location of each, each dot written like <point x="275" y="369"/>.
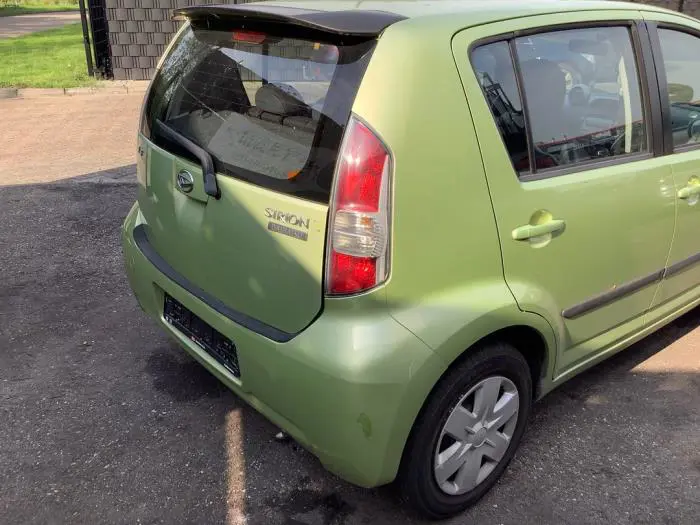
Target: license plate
<point x="211" y="341"/>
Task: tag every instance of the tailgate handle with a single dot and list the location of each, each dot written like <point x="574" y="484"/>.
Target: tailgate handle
<point x="211" y="187"/>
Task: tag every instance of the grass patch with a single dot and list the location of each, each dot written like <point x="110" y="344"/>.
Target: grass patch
<point x="48" y="59"/>
<point x="26" y="7"/>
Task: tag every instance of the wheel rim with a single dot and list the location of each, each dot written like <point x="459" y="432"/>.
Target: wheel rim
<point x="476" y="435"/>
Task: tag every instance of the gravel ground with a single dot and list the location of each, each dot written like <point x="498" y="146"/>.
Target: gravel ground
<point x="107" y="422"/>
<point x="103" y="420"/>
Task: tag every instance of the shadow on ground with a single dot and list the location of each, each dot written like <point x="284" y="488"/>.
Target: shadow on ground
<point x="107" y="421"/>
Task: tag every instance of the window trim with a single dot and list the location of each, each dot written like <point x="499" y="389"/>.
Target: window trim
<point x="653" y="27"/>
<point x="512" y="50"/>
<point x="642" y="48"/>
<point x="587" y="165"/>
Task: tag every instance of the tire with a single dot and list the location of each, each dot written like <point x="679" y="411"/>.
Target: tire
<point x="420" y="467"/>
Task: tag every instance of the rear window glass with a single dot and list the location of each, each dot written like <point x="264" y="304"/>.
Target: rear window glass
<point x="270" y="110"/>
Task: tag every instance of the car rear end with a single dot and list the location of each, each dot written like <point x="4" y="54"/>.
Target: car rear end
<point x="261" y="239"/>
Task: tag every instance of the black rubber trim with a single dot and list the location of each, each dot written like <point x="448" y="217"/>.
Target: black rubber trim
<point x="594" y="164"/>
<point x="515" y="61"/>
<point x="650" y="88"/>
<point x="141" y="240"/>
<point x="353" y="22"/>
<point x="682" y="265"/>
<point x="613" y="295"/>
<point x="211" y="187"/>
<point x="662" y="83"/>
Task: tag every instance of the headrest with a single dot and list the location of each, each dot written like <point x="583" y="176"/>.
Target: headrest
<point x="547" y="83"/>
<point x="278" y="99"/>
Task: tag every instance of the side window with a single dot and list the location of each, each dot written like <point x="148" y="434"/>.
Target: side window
<point x="681" y="61"/>
<point x="494" y="68"/>
<point x="582" y="95"/>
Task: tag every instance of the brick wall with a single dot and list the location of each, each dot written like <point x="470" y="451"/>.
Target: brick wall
<point x="139" y="30"/>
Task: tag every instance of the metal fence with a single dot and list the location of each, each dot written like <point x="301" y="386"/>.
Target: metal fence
<point x="100" y="37"/>
<point x="98" y="55"/>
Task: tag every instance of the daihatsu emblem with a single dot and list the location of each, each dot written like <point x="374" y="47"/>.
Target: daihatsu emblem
<point x="185" y="181"/>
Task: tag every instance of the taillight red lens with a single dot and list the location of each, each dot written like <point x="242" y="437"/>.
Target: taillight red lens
<point x="361" y="167"/>
<point x="359" y="214"/>
<point x="351" y="274"/>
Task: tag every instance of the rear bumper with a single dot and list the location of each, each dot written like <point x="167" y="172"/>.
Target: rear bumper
<point x="348" y="388"/>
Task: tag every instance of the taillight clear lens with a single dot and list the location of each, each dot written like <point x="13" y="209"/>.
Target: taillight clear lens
<point x="359" y="234"/>
<point x="359" y="216"/>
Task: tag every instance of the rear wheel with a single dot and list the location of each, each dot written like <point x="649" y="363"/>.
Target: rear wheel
<point x="467" y="432"/>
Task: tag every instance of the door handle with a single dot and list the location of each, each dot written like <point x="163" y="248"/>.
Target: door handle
<point x="523" y="233"/>
<point x="689" y="191"/>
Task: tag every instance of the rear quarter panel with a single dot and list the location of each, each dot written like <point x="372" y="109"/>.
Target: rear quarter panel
<point x="446" y="283"/>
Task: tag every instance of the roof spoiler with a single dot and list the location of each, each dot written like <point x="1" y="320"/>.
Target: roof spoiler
<point x="352" y="23"/>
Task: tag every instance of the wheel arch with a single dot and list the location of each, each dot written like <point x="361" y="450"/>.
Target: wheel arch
<point x="528" y="329"/>
<point x="529" y="333"/>
<point x="529" y="342"/>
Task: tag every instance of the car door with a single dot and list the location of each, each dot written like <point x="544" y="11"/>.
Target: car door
<point x="584" y="208"/>
<point x="676" y="44"/>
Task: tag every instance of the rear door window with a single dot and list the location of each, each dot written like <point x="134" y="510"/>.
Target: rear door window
<point x="270" y="109"/>
<point x="681" y="63"/>
<point x="581" y="91"/>
<point x="494" y="68"/>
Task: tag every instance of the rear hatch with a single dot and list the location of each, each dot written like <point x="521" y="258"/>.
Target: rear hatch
<point x="239" y="139"/>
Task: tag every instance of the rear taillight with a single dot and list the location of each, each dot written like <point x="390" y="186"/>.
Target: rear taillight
<point x="358" y="247"/>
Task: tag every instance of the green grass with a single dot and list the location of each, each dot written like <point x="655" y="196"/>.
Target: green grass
<point x="48" y="59"/>
<point x="25" y="7"/>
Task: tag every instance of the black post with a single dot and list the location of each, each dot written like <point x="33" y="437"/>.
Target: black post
<point x="86" y="37"/>
<point x="265" y="65"/>
<point x="681" y="5"/>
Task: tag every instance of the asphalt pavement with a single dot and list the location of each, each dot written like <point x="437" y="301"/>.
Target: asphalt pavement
<point x="104" y="420"/>
<point x="13" y="26"/>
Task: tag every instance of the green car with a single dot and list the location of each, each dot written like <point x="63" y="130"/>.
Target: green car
<point x="392" y="226"/>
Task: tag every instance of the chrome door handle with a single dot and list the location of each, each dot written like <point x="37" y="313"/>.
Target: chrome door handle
<point x="528" y="231"/>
